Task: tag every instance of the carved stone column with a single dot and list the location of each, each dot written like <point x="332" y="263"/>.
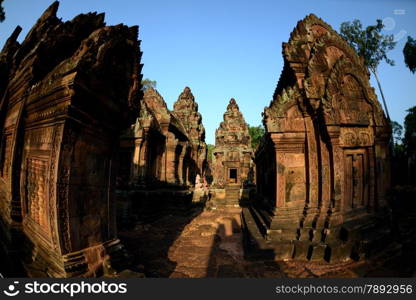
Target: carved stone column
<point x="135" y="167"/>
<point x="182" y="180"/>
<point x="337" y="205"/>
<point x="290" y="189"/>
<point x="171" y="143"/>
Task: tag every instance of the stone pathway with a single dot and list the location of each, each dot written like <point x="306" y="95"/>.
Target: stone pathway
<point x="208" y="243"/>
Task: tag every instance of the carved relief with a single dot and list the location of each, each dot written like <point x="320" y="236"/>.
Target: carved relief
<point x="295" y="184"/>
<point x="232" y="148"/>
<point x="100" y="64"/>
<point x="40" y="139"/>
<point x="356" y="179"/>
<point x="353" y="137"/>
<point x="317" y="30"/>
<point x="56" y="142"/>
<point x="6" y="155"/>
<point x="36" y="192"/>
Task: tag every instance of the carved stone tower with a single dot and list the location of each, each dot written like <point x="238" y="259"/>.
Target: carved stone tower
<point x="232" y="162"/>
<point x="324" y="165"/>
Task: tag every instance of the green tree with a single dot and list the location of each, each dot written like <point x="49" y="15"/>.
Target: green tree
<point x="2" y="14"/>
<point x="409" y="52"/>
<point x="256" y="133"/>
<point x="371" y="45"/>
<point x="410" y="130"/>
<point x="210" y="150"/>
<point x="147" y="83"/>
<point x="397" y="130"/>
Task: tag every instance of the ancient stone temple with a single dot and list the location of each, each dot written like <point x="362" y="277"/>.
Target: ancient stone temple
<point x="232" y="162"/>
<point x="66" y="93"/>
<point x="165" y="148"/>
<point x="186" y="110"/>
<point x="323" y="167"/>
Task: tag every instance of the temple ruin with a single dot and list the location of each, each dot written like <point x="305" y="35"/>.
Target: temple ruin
<point x="186" y="110"/>
<point x="165" y="147"/>
<point x="325" y="158"/>
<point x="232" y="166"/>
<point x="161" y="157"/>
<point x="66" y="92"/>
<point x="98" y="174"/>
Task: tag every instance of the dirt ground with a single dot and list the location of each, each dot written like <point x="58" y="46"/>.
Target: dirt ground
<point x="208" y="243"/>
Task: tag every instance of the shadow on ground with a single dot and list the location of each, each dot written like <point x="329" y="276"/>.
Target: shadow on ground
<point x="203" y="243"/>
<point x="149" y="242"/>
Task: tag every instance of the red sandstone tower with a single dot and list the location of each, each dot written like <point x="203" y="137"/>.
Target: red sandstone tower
<point x="233" y="167"/>
<point x="324" y="165"/>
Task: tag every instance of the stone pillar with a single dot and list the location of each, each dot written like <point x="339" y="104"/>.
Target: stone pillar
<point x="325" y="204"/>
<point x="280" y="178"/>
<point x="372" y="169"/>
<point x="338" y="176"/>
<point x="171" y="143"/>
<point x="165" y="132"/>
<point x="290" y="182"/>
<point x="143" y="156"/>
<point x="181" y="165"/>
<point x="381" y="165"/>
<point x="187" y="167"/>
<point x="312" y="209"/>
<point x="134" y="177"/>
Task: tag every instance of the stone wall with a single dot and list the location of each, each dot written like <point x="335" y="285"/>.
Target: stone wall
<point x="70" y="88"/>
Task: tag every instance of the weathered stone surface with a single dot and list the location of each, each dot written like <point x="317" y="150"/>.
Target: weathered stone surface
<point x="67" y="91"/>
<point x="324" y="164"/>
<point x="232" y="166"/>
<point x="209" y="244"/>
<point x="186" y="110"/>
<point x="165" y="147"/>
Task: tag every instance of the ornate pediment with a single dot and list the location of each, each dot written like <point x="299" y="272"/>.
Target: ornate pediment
<point x="186" y="110"/>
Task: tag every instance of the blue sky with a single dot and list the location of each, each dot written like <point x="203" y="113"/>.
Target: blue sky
<point x="224" y="49"/>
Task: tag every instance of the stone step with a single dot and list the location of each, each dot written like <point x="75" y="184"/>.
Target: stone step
<point x="232" y="194"/>
<point x="258" y="218"/>
<point x="236" y="196"/>
<point x="233" y="191"/>
<point x="265" y="216"/>
<point x="363" y="242"/>
<point x="254" y="243"/>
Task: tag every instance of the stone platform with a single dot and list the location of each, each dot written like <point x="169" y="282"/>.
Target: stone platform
<point x="353" y="240"/>
<point x="209" y="243"/>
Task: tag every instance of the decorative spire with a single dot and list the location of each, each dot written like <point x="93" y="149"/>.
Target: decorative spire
<point x="233" y="130"/>
<point x="186" y="110"/>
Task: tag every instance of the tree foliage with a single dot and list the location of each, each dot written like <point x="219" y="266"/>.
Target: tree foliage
<point x="409" y="52"/>
<point x="410" y="130"/>
<point x="147" y="83"/>
<point x="256" y="133"/>
<point x="210" y="150"/>
<point x="397" y="130"/>
<point x="2" y="14"/>
<point x="369" y="43"/>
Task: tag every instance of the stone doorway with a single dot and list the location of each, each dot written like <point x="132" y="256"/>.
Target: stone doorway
<point x="356" y="179"/>
<point x="232" y="178"/>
